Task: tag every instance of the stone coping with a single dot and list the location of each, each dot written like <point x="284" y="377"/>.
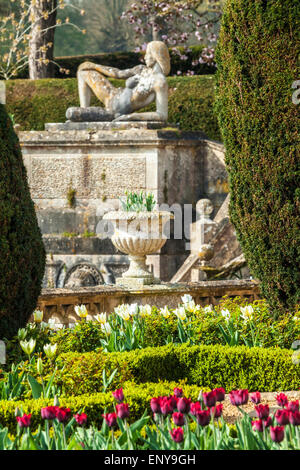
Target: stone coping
<point x="130" y="215"/>
<point x="111" y="138"/>
<point x="204" y="287"/>
<point x="106" y="125"/>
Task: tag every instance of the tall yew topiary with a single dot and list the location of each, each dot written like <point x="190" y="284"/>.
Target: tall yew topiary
<point x="258" y="62"/>
<point x="22" y="255"/>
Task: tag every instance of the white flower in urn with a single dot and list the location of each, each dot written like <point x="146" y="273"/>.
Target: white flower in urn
<point x="226" y="314"/>
<point x="81" y="311"/>
<point x="247" y="313"/>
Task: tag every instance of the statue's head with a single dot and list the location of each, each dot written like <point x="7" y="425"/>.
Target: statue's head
<point x="158" y="52"/>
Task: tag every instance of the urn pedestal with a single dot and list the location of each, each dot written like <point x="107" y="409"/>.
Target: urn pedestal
<point x="138" y="234"/>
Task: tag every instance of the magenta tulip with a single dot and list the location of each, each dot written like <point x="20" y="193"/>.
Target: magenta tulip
<point x="277" y="433"/>
<point x="122" y="410"/>
<point x="239" y="397"/>
<point x="255" y="398"/>
<point x="118" y="395"/>
<point x="177" y="435"/>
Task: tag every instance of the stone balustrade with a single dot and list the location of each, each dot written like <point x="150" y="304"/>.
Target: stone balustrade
<point x="58" y="304"/>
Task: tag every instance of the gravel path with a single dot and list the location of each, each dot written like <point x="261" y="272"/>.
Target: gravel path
<point x="231" y="412"/>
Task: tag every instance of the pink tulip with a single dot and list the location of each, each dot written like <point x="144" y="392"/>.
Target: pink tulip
<point x="255" y="398"/>
<point x="239" y="397"/>
<point x="122" y="410"/>
<point x="118" y="395"/>
<point x="177" y="435"/>
<point x="262" y="411"/>
<point x="24" y="421"/>
<point x="277" y="433"/>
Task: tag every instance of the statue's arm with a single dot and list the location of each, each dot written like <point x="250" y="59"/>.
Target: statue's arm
<point x="112" y="72"/>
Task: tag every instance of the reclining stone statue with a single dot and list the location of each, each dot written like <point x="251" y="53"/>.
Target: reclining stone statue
<point x="144" y="84"/>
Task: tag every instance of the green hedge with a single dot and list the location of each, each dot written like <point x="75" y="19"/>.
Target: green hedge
<point x="35" y="102"/>
<point x="205" y="366"/>
<point x="258" y="61"/>
<point x="137" y="396"/>
<point x="126" y="60"/>
<point x="22" y="252"/>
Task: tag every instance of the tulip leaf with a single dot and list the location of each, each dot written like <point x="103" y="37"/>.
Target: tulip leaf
<point x="36" y="388"/>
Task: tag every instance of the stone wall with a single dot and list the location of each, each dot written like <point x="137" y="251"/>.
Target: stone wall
<point x="59" y="304"/>
<point x="95" y="168"/>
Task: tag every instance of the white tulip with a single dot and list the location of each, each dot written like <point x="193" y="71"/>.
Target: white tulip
<point x="81" y="311"/>
<point x="38" y="316"/>
<point x="50" y="350"/>
<point x="28" y="346"/>
<point x="106" y="328"/>
<point x="100" y="317"/>
<point x="165" y="312"/>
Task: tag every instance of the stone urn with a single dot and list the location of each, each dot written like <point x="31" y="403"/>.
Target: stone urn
<point x="138" y="234"/>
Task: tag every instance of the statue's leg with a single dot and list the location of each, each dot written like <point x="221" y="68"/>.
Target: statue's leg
<point x="85" y="93"/>
<point x="91" y="81"/>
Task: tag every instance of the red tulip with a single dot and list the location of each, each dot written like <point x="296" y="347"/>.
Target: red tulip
<point x="239" y="397"/>
<point x="220" y="394"/>
<point x="262" y="411"/>
<point x="255" y="398"/>
<point x="177" y="435"/>
<point x="111" y="419"/>
<point x="203" y="417"/>
<point x="63" y="414"/>
<point x="293" y="406"/>
<point x="81" y="419"/>
<point x="209" y="399"/>
<point x="49" y="412"/>
<point x="122" y="410"/>
<point x="155" y="405"/>
<point x="178" y="392"/>
<point x="118" y="395"/>
<point x="178" y="419"/>
<point x="267" y="422"/>
<point x="216" y="411"/>
<point x="294" y="418"/>
<point x="277" y="433"/>
<point x="173" y="401"/>
<point x="195" y="407"/>
<point x="24" y="421"/>
<point x="282" y="417"/>
<point x="166" y="406"/>
<point x="257" y="425"/>
<point x="184" y="405"/>
<point x="281" y="399"/>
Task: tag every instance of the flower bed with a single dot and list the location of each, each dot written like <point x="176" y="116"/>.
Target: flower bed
<point x="179" y="423"/>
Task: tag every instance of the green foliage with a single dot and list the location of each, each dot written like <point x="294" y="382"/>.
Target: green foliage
<point x="35" y="102"/>
<point x="94" y="404"/>
<point x="204" y="328"/>
<point x="206" y="366"/>
<point x="138" y="202"/>
<point x="22" y="252"/>
<point x="258" y="61"/>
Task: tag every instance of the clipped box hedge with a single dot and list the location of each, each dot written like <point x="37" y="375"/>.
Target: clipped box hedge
<point x="35" y="102"/>
<point x="205" y="366"/>
<point x="126" y="60"/>
<point x="137" y="396"/>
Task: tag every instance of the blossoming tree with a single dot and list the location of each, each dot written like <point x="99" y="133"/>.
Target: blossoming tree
<point x="179" y="23"/>
<point x="27" y="37"/>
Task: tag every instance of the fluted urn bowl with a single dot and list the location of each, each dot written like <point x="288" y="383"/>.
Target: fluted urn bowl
<point x="138" y="234"/>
